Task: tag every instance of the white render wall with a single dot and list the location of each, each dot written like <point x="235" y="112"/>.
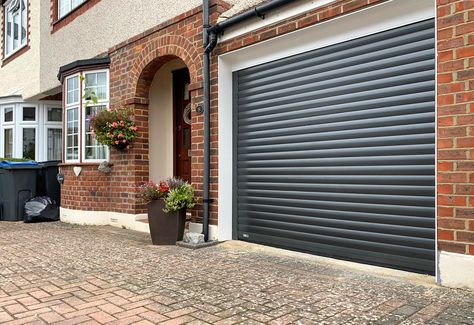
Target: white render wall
<point x="103" y="26"/>
<point x="33" y="75"/>
<point x="21" y="75"/>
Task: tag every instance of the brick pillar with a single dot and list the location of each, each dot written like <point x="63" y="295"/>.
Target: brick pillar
<point x="455" y="133"/>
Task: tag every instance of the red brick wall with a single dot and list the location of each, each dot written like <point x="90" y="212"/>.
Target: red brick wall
<point x="135" y="62"/>
<point x="456" y="126"/>
<point x="88" y="192"/>
<point x="133" y="66"/>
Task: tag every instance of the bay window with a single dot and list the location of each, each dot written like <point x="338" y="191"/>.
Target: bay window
<point x="16" y="25"/>
<point x="86" y="95"/>
<point x="66" y="6"/>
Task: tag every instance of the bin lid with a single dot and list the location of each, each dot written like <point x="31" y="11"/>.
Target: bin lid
<point x="50" y="163"/>
<point x="18" y="164"/>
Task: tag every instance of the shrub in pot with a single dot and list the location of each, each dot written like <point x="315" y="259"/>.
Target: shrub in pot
<point x="167" y="204"/>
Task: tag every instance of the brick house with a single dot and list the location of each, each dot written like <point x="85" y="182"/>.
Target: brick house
<point x="341" y="128"/>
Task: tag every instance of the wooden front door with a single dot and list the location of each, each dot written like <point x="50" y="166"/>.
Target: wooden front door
<point x="182" y="123"/>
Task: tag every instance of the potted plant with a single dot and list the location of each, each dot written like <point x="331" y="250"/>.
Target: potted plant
<point x="167" y="204"/>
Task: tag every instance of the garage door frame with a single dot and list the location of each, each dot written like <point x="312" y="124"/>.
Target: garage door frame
<point x="386" y="16"/>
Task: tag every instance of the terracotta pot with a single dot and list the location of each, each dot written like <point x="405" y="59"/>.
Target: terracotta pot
<point x="165" y="228"/>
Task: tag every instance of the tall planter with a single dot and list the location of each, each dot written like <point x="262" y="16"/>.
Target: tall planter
<point x="165" y="228"/>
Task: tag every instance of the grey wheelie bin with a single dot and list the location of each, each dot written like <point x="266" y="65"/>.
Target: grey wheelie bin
<point x="17" y="185"/>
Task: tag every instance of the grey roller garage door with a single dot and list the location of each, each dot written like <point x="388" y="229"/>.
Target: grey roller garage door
<point x="334" y="150"/>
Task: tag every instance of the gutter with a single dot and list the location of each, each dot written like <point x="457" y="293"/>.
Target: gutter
<point x="210" y="38"/>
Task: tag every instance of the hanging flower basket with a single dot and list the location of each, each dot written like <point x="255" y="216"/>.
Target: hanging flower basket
<point x="114" y="128"/>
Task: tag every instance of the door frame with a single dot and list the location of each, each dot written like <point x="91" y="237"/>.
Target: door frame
<point x="174" y="76"/>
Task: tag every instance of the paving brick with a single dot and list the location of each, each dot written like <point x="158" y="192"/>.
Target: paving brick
<point x="110" y="308"/>
<point x="102" y="317"/>
<point x="51" y="317"/>
<point x="153" y="316"/>
<point x="5" y="317"/>
<point x="221" y="284"/>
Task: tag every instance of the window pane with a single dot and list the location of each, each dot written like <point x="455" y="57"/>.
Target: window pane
<point x="72" y="132"/>
<point x="9" y="114"/>
<point x="29" y="114"/>
<point x="23" y="21"/>
<point x="16" y="30"/>
<point x="55" y="114"/>
<point x="9" y="33"/>
<point x="66" y="6"/>
<point x="93" y="150"/>
<point x="96" y="83"/>
<point x="29" y="139"/>
<point x="72" y="90"/>
<point x="8" y="143"/>
<point x="54" y="144"/>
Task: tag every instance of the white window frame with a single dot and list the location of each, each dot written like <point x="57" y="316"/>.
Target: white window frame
<point x="56" y="125"/>
<point x="4" y="108"/>
<point x="23" y="23"/>
<point x="10" y="127"/>
<point x="81" y="106"/>
<point x="20" y="143"/>
<point x="47" y="128"/>
<point x="71" y="8"/>
<point x="68" y="107"/>
<point x="22" y="121"/>
<point x="100" y="102"/>
<point x="21" y="125"/>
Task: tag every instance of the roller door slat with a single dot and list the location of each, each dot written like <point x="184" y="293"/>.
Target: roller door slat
<point x="335" y="150"/>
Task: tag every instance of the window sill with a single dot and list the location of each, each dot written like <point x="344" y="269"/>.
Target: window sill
<point x="81" y="164"/>
<point x="12" y="56"/>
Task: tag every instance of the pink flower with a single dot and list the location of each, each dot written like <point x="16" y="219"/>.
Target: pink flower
<point x="116" y="142"/>
<point x="133" y="128"/>
<point x="114" y="124"/>
<point x="120" y="136"/>
<point x="124" y="141"/>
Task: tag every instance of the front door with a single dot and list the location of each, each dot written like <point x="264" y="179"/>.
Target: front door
<point x="182" y="120"/>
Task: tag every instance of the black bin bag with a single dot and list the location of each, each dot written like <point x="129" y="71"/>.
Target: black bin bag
<point x="41" y="208"/>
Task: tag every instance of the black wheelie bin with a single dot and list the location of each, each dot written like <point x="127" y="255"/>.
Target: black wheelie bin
<point x="17" y="185"/>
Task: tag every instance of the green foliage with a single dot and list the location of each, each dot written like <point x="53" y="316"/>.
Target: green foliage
<point x="179" y="198"/>
<point x="176" y="193"/>
<point x="114" y="128"/>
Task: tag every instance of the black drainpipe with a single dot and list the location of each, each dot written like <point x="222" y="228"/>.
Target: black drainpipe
<point x="208" y="47"/>
<point x="210" y="35"/>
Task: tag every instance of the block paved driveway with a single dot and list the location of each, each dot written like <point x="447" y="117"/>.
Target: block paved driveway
<point x="64" y="274"/>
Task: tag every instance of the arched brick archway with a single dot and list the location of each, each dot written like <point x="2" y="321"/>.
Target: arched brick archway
<point x="154" y="54"/>
<point x="133" y="68"/>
